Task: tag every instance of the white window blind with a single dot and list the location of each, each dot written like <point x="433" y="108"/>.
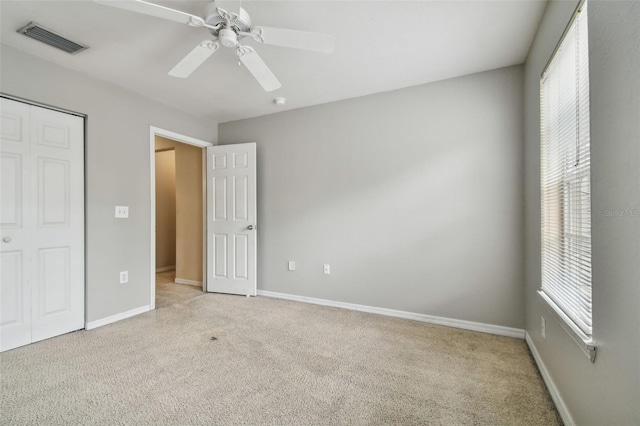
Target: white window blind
<point x="565" y="176"/>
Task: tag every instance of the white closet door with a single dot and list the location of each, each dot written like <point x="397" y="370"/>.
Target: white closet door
<point x="57" y="214"/>
<point x="50" y="240"/>
<point x="15" y="244"/>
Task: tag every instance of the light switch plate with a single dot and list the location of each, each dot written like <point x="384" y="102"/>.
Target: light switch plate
<point x="292" y="265"/>
<point x="327" y="269"/>
<point x="124" y="277"/>
<point x="122" y="212"/>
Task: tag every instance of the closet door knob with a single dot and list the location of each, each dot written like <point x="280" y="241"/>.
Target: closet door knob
<point x="6" y="240"/>
<point x="251" y="227"/>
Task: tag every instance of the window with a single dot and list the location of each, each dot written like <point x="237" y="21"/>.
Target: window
<point x="565" y="179"/>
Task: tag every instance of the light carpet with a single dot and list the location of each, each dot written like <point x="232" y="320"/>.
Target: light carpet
<point x="272" y="362"/>
<point x="168" y="292"/>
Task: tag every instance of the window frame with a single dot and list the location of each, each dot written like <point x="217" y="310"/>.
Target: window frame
<point x="584" y="341"/>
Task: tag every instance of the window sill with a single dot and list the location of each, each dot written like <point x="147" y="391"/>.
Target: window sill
<point x="586" y="343"/>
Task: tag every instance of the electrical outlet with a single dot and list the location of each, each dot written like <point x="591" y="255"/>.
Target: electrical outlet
<point x="292" y="265"/>
<point x="124" y="277"/>
<point x="327" y="269"/>
<point x="122" y="212"/>
<point x="543" y="327"/>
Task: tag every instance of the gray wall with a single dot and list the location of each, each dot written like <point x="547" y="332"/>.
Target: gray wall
<point x="608" y="391"/>
<point x="413" y="196"/>
<point x="117" y="170"/>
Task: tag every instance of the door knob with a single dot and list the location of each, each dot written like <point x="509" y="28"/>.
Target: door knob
<point x="6" y="240"/>
<point x="251" y="227"/>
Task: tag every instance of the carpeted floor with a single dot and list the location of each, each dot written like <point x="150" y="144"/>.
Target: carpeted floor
<point x="272" y="362"/>
<point x="168" y="292"/>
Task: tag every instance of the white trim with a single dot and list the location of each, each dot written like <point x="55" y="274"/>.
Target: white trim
<point x="45" y="106"/>
<point x="449" y="322"/>
<point x="153" y="132"/>
<point x="166" y="268"/>
<point x="205" y="222"/>
<point x="117" y="317"/>
<point x="157" y="131"/>
<point x="551" y="386"/>
<point x="188" y="282"/>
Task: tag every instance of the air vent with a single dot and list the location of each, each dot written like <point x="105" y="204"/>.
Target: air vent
<point x="45" y="35"/>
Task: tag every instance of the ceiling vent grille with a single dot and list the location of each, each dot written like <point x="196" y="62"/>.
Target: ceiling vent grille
<point x="45" y="35"/>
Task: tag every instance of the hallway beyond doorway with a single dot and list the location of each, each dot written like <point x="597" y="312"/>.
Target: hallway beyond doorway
<point x="168" y="292"/>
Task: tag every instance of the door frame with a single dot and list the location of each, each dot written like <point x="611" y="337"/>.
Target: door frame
<point x="157" y="131"/>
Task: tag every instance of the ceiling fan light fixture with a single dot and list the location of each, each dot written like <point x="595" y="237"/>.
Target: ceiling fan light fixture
<point x="228" y="37"/>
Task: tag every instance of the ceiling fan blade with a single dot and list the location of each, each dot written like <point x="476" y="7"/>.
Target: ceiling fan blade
<point x="256" y="66"/>
<point x="156" y="10"/>
<point x="317" y="42"/>
<point x="194" y="59"/>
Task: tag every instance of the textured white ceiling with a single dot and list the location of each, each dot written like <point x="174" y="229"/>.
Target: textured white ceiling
<point x="380" y="46"/>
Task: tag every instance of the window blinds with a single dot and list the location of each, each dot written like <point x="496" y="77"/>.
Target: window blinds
<point x="565" y="175"/>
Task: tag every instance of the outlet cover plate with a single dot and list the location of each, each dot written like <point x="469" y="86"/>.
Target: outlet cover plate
<point x="122" y="212"/>
<point x="124" y="277"/>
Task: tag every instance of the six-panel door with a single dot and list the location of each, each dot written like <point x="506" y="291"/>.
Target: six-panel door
<point x="231" y="219"/>
<point x="42" y="219"/>
<point x="15" y="224"/>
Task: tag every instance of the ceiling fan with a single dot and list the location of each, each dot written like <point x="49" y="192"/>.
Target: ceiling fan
<point x="228" y="29"/>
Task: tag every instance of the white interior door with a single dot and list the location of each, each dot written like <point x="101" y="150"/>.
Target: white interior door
<point x="42" y="289"/>
<point x="231" y="219"/>
<point x="15" y="294"/>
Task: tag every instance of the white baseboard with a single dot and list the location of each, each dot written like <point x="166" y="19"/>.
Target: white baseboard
<point x="166" y="268"/>
<point x="113" y="318"/>
<point x="551" y="386"/>
<point x="449" y="322"/>
<point x="188" y="282"/>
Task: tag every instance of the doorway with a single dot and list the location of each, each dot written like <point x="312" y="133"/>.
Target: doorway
<point x="178" y="246"/>
<point x="179" y="221"/>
